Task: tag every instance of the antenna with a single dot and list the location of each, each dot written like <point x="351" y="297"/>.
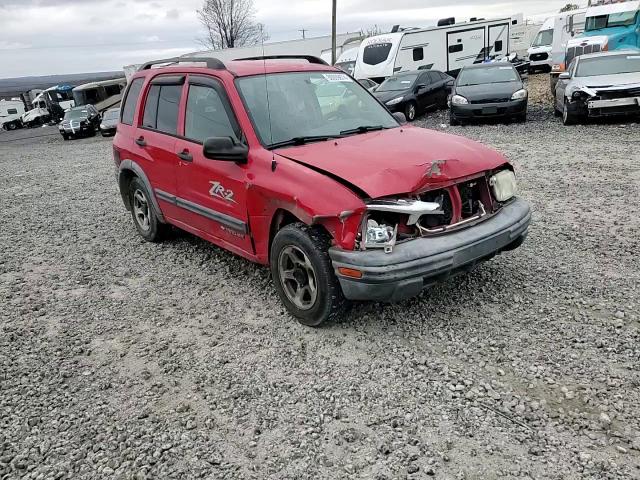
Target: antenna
<point x="266" y="91"/>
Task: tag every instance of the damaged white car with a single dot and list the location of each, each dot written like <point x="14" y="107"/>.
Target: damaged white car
<point x="599" y="84"/>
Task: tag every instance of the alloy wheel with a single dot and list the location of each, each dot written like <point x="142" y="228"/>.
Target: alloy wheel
<point x="141" y="210"/>
<point x="297" y="277"/>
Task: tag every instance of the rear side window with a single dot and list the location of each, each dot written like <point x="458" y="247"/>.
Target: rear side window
<point x="206" y="115"/>
<point x="131" y="101"/>
<point x="375" y="54"/>
<point x="455" y="48"/>
<point x="161" y="108"/>
<point x="418" y="54"/>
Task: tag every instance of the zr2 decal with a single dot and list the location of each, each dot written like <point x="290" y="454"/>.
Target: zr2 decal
<point x="218" y="191"/>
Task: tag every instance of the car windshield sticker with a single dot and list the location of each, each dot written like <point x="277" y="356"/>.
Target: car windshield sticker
<point x="336" y="77"/>
<point x="405" y="81"/>
<point x="633" y="57"/>
<point x="505" y="68"/>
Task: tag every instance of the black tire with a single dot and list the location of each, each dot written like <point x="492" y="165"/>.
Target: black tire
<point x="568" y="118"/>
<point x="453" y="121"/>
<point x="411" y="111"/>
<point x="314" y="243"/>
<point x="11" y="126"/>
<point x="65" y="137"/>
<point x="151" y="230"/>
<point x="521" y="118"/>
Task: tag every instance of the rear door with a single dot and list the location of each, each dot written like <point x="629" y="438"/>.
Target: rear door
<point x="211" y="193"/>
<point x="156" y="137"/>
<point x="464" y="47"/>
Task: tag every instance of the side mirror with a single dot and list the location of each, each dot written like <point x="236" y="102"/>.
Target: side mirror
<point x="565" y="76"/>
<point x="400" y="117"/>
<point x="226" y="149"/>
<point x="420" y="86"/>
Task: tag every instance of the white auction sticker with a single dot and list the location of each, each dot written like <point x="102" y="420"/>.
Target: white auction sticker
<point x="336" y="77"/>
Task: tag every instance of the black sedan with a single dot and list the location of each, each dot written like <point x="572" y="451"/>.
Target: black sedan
<point x="414" y="92"/>
<point x="79" y="121"/>
<point x="488" y="90"/>
<point x="109" y="122"/>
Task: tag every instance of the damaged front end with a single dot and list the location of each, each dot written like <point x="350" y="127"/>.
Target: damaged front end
<point x="606" y="100"/>
<point x="391" y="221"/>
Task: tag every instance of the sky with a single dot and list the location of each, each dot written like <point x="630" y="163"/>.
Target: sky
<point x="43" y="37"/>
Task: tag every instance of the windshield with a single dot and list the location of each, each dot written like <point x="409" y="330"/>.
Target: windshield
<point x="75" y="114"/>
<point x="111" y="114"/>
<point x="608" y="65"/>
<point x="543" y="39"/>
<point x="480" y="76"/>
<point x="394" y="84"/>
<point x="621" y="19"/>
<point x="308" y="104"/>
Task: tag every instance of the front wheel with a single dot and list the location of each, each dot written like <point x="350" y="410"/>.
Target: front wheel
<point x="410" y="111"/>
<point x="303" y="274"/>
<point x="568" y="118"/>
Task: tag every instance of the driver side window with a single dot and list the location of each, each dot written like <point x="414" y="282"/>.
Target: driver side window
<point x="206" y="115"/>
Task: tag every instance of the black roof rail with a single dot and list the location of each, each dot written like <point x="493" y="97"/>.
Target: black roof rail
<point x="212" y="63"/>
<point x="308" y="58"/>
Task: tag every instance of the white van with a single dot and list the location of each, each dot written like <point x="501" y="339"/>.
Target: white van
<point x="552" y="38"/>
<point x="10" y="112"/>
<point x="447" y="48"/>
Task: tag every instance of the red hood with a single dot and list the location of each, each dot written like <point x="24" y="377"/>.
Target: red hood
<point x="396" y="161"/>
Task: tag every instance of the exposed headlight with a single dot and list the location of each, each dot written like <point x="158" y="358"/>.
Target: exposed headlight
<point x="395" y="101"/>
<point x="519" y="95"/>
<point x="380" y="236"/>
<point x="459" y="100"/>
<point x="504" y="185"/>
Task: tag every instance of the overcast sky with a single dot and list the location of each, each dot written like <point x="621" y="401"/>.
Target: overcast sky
<point x="40" y="37"/>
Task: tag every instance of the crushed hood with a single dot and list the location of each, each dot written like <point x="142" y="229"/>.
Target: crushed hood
<point x="396" y="161"/>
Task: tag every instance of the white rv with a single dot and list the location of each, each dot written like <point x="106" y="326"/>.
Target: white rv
<point x="447" y="48"/>
<point x="553" y="36"/>
<point x="10" y="111"/>
<point x="347" y="61"/>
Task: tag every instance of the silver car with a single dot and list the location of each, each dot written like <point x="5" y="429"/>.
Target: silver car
<point x="599" y="84"/>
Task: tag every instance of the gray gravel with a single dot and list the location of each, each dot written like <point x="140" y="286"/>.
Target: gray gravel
<point x="124" y="359"/>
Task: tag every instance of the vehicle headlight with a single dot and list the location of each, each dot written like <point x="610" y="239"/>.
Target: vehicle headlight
<point x="504" y="185"/>
<point x="459" y="100"/>
<point x="102" y="126"/>
<point x="60" y="127"/>
<point x="395" y="101"/>
<point x="380" y="235"/>
<point x="519" y="95"/>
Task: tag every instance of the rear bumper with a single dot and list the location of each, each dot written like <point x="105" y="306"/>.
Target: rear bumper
<point x="420" y="263"/>
<point x="490" y="110"/>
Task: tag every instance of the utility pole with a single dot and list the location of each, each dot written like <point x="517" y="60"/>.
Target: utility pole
<point x="303" y="30"/>
<point x="333" y="33"/>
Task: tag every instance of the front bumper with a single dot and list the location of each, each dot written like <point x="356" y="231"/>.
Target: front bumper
<point x="512" y="108"/>
<point x="615" y="106"/>
<point x="420" y="263"/>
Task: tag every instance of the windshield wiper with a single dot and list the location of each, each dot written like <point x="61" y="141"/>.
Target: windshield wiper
<point x="302" y="140"/>
<point x="362" y="129"/>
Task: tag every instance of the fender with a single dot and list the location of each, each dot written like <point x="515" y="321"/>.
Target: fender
<point x="131" y="166"/>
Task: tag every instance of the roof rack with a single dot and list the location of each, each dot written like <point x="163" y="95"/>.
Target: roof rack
<point x="308" y="58"/>
<point x="212" y="63"/>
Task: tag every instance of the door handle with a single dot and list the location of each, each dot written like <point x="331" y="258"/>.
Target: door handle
<point x="140" y="141"/>
<point x="185" y="156"/>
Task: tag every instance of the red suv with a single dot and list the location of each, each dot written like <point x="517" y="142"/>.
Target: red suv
<point x="291" y="163"/>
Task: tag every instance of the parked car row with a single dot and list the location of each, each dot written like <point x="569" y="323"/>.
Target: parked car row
<point x="86" y="121"/>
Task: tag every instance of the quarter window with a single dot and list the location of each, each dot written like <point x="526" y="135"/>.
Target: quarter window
<point x="132" y="99"/>
<point x="206" y="115"/>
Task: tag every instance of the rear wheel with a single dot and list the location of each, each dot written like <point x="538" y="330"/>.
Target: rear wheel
<point x="65" y="137"/>
<point x="453" y="121"/>
<point x="144" y="216"/>
<point x="303" y="274"/>
<point x="410" y="111"/>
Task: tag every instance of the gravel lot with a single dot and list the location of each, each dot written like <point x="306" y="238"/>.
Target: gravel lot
<point x="124" y="359"/>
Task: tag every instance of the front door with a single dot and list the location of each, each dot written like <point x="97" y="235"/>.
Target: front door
<point x="211" y="193"/>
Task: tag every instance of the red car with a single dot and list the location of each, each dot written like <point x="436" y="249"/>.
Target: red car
<point x="291" y="163"/>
